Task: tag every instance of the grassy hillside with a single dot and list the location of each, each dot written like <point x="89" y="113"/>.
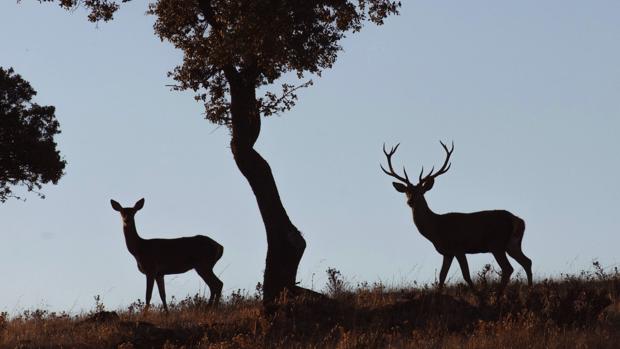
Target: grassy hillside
<point x="573" y="311"/>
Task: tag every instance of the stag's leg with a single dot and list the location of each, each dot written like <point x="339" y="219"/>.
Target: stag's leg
<point x="515" y="251"/>
<point x="215" y="284"/>
<point x="447" y="261"/>
<point x="525" y="262"/>
<point x="149" y="290"/>
<point x="507" y="269"/>
<point x="161" y="287"/>
<point x="465" y="270"/>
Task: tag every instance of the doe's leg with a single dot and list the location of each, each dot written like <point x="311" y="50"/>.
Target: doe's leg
<point x="465" y="270"/>
<point x="507" y="269"/>
<point x="525" y="262"/>
<point x="214" y="283"/>
<point x="162" y="291"/>
<point x="149" y="291"/>
<point x="447" y="261"/>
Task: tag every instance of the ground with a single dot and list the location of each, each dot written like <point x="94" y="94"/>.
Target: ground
<point x="571" y="311"/>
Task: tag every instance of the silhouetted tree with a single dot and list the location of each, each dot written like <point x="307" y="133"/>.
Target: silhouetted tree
<point x="231" y="49"/>
<point x="28" y="154"/>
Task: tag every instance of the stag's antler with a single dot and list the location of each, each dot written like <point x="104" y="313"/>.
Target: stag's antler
<point x="444" y="168"/>
<point x="392" y="172"/>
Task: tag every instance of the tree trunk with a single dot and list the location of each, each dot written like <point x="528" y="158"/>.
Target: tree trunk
<point x="285" y="244"/>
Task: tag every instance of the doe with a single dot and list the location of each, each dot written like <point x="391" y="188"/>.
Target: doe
<point x="159" y="257"/>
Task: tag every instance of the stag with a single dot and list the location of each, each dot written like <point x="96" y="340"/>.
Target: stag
<point x="159" y="257"/>
<point x="458" y="234"/>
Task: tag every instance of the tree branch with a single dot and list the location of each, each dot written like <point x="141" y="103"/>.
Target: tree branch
<point x="288" y="98"/>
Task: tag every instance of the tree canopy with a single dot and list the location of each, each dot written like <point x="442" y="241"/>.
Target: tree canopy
<point x="28" y="154"/>
<point x="261" y="39"/>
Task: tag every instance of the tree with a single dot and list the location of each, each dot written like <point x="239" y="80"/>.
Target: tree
<point x="232" y="48"/>
<point x="28" y="154"/>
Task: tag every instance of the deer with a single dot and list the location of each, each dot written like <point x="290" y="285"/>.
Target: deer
<point x="159" y="257"/>
<point x="458" y="234"/>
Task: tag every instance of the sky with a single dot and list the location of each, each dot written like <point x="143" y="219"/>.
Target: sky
<point x="529" y="92"/>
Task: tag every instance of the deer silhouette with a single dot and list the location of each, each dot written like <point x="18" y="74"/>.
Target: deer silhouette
<point x="159" y="257"/>
<point x="457" y="234"/>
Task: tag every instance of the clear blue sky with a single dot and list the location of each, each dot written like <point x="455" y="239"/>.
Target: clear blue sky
<point x="529" y="91"/>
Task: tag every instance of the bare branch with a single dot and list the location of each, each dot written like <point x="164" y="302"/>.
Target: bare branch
<point x="284" y="102"/>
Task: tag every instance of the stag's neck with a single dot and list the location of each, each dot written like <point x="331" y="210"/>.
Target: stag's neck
<point x="132" y="239"/>
<point x="425" y="219"/>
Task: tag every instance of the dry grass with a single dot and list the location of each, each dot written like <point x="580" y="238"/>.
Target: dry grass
<point x="579" y="311"/>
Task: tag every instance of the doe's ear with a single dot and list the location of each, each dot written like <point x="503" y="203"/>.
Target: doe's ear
<point x="139" y="204"/>
<point x="399" y="187"/>
<point x="115" y="205"/>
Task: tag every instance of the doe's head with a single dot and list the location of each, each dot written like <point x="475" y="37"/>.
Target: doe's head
<point x="127" y="212"/>
<point x="415" y="192"/>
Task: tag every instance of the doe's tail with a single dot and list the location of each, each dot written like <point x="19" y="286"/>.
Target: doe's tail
<point x="219" y="251"/>
<point x="518" y="228"/>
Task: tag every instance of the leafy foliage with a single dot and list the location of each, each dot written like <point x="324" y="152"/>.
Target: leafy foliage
<point x="261" y="39"/>
<point x="99" y="9"/>
<point x="28" y="154"/>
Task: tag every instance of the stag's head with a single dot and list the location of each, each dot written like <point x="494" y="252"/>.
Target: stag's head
<point x="415" y="192"/>
<point x="127" y="213"/>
